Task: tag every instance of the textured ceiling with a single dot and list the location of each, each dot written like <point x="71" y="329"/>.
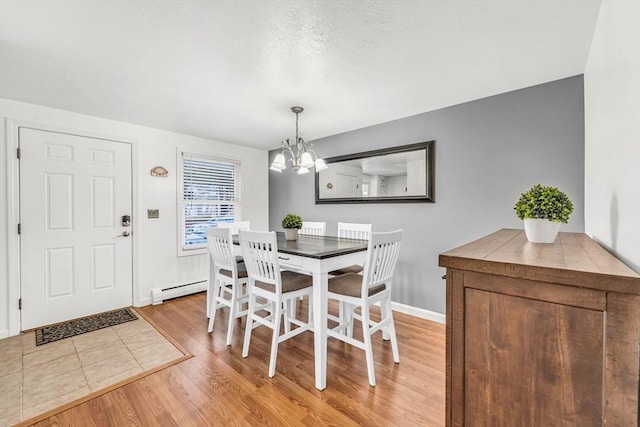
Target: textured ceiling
<point x="230" y="70"/>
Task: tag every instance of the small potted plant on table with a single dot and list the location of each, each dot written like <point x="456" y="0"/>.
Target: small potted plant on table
<point x="543" y="209"/>
<point x="291" y="224"/>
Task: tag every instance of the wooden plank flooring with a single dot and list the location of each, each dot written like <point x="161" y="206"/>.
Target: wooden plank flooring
<point x="218" y="387"/>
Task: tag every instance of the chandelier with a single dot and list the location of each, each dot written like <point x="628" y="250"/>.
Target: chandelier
<point x="302" y="157"/>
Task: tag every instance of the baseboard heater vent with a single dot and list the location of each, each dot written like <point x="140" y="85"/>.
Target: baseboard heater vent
<point x="160" y="294"/>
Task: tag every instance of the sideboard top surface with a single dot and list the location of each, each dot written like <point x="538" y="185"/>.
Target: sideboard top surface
<point x="573" y="259"/>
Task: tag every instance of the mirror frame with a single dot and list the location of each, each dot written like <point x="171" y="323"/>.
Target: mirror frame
<point x="429" y="197"/>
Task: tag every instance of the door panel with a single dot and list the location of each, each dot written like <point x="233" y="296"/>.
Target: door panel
<point x="102" y="202"/>
<point x="59" y="270"/>
<point x="74" y="259"/>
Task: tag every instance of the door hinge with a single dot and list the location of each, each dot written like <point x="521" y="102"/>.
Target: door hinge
<point x="19" y="229"/>
<point x="18" y="153"/>
<point x="20" y="304"/>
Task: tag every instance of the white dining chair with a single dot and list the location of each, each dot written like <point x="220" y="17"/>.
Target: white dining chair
<point x="227" y="280"/>
<point x="373" y="286"/>
<point x="351" y="230"/>
<point x="312" y="228"/>
<point x="279" y="288"/>
<point x="235" y="226"/>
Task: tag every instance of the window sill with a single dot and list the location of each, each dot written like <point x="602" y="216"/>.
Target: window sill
<point x="190" y="252"/>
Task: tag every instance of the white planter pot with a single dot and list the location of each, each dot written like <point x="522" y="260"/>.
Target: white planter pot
<point x="541" y="230"/>
<point x="291" y="233"/>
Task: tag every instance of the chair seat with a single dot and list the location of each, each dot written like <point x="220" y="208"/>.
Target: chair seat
<point x="291" y="281"/>
<point x="346" y="270"/>
<point x="242" y="271"/>
<point x="350" y="284"/>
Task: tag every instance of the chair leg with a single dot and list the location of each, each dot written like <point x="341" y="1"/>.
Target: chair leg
<point x="213" y="304"/>
<point x="209" y="292"/>
<point x="294" y="307"/>
<point x="348" y="318"/>
<point x="392" y="331"/>
<point x="233" y="310"/>
<point x="274" y="340"/>
<point x="342" y="310"/>
<point x="385" y="312"/>
<point x="288" y="304"/>
<point x="248" y="326"/>
<point x="368" y="349"/>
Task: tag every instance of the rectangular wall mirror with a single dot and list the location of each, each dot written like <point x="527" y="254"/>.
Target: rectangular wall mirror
<point x="390" y="175"/>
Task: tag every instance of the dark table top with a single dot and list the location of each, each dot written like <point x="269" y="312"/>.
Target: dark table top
<point x="318" y="247"/>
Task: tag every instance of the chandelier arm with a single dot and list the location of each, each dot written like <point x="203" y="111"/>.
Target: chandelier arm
<point x="287" y="146"/>
<point x="301" y="147"/>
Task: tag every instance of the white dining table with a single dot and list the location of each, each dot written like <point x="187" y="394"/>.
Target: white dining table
<point x="317" y="256"/>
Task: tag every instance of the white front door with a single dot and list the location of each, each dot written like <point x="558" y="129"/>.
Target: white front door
<point x="74" y="258"/>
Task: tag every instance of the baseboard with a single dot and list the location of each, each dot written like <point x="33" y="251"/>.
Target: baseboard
<point x="4" y="333"/>
<point x="160" y="294"/>
<point x="419" y="312"/>
<point x="141" y="302"/>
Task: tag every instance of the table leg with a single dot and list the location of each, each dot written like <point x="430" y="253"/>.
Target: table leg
<point x="210" y="285"/>
<point x="320" y="287"/>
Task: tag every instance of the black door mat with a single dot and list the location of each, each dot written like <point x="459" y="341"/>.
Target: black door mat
<point x="85" y="324"/>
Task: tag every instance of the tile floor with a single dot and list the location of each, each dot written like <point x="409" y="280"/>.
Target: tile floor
<point x="36" y="379"/>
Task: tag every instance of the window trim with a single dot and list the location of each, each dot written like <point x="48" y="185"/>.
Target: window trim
<point x="180" y="153"/>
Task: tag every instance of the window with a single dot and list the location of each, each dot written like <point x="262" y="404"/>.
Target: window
<point x="209" y="195"/>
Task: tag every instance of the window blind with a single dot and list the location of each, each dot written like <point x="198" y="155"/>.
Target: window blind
<point x="209" y="196"/>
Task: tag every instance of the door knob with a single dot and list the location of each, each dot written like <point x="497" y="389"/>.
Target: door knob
<point x="124" y="234"/>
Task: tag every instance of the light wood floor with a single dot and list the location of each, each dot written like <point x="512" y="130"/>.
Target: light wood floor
<point x="218" y="387"/>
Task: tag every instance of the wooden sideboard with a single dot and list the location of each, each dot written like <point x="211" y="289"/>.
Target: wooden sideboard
<point x="541" y="334"/>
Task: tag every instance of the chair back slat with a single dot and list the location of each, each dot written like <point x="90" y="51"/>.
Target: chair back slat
<point x="351" y="230"/>
<point x="219" y="242"/>
<point x="382" y="257"/>
<point x="235" y="226"/>
<point x="260" y="253"/>
<point x="313" y="228"/>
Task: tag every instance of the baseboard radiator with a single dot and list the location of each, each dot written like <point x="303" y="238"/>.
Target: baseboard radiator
<point x="160" y="294"/>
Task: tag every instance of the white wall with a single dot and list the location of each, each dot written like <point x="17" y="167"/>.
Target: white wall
<point x="612" y="131"/>
<point x="156" y="263"/>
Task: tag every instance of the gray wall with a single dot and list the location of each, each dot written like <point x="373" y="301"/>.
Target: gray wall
<point x="488" y="152"/>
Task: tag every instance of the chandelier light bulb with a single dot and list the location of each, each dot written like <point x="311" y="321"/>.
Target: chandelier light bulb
<point x="306" y="161"/>
<point x="321" y="165"/>
<point x="278" y="163"/>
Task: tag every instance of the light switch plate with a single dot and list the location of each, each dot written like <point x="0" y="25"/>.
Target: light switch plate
<point x="153" y="213"/>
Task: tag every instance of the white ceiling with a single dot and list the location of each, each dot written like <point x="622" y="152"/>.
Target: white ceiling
<point x="230" y="70"/>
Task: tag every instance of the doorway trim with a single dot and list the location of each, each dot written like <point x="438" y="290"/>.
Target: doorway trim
<point x="12" y="127"/>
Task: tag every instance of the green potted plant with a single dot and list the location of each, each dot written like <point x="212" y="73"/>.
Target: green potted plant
<point x="543" y="209"/>
<point x="291" y="224"/>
